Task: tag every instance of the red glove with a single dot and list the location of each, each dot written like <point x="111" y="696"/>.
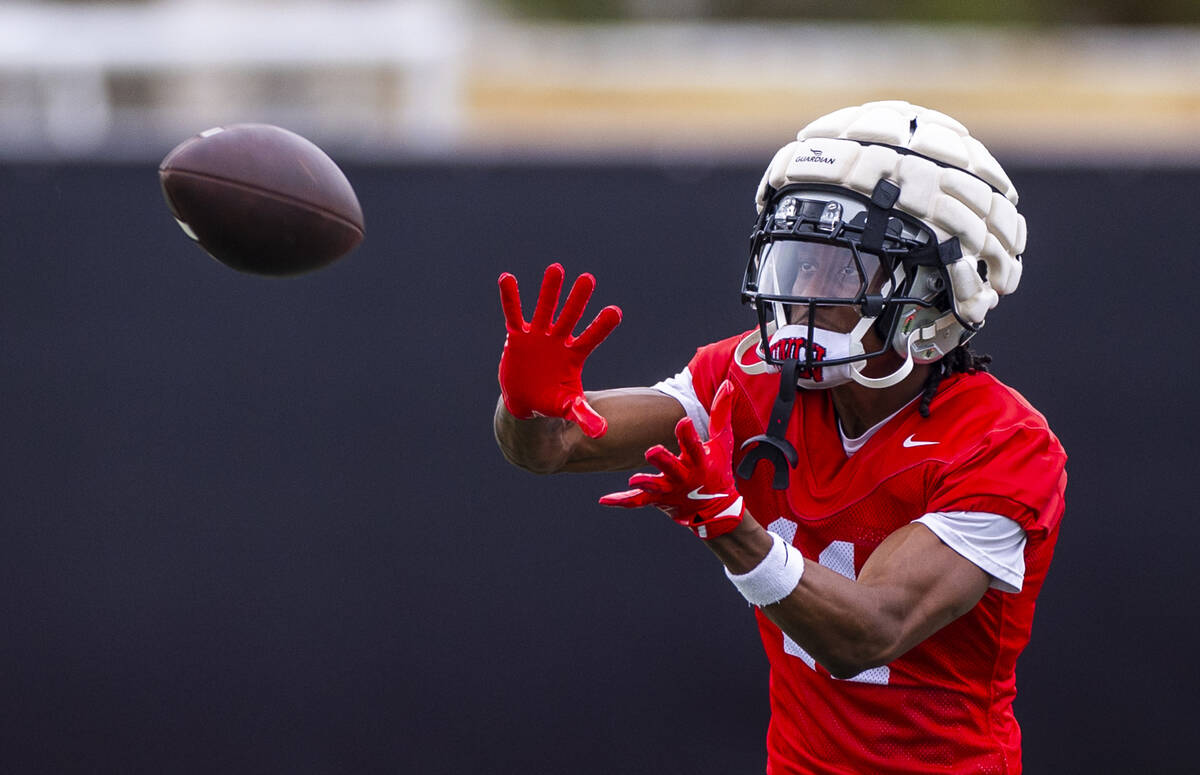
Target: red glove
<point x="697" y="488"/>
<point x="542" y="364"/>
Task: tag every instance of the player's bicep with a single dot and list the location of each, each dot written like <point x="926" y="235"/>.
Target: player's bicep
<point x="923" y="584"/>
<point x="638" y="418"/>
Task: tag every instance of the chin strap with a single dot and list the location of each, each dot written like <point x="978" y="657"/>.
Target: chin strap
<point x="752" y="342"/>
<point x="772" y="445"/>
<point x="891" y="379"/>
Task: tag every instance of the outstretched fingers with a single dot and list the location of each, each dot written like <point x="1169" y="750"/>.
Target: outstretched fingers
<point x="510" y="302"/>
<point x="543" y="313"/>
<point x="573" y="307"/>
<point x="598" y="330"/>
<point x="654" y="484"/>
<point x="628" y="499"/>
<point x="691" y="448"/>
<point x="721" y="415"/>
<point x="661" y="458"/>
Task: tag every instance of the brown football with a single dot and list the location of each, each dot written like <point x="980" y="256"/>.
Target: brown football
<point x="261" y="199"/>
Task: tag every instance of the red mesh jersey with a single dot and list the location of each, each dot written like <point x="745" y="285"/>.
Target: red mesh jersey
<point x="946" y="705"/>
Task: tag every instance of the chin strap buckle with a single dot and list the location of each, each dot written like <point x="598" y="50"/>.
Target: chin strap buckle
<point x="772" y="446"/>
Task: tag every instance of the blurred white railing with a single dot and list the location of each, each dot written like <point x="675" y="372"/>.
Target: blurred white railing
<point x="86" y="79"/>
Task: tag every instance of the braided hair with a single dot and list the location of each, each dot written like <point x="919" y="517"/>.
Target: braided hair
<point x="960" y="360"/>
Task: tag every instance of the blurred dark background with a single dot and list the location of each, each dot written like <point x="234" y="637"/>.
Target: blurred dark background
<point x="256" y="525"/>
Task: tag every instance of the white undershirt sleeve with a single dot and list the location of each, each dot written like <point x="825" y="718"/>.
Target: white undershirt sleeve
<point x="680" y="388"/>
<point x="994" y="543"/>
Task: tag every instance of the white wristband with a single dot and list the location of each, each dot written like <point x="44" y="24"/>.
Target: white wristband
<point x="774" y="578"/>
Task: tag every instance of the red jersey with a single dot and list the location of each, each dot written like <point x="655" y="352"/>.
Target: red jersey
<point x="946" y="705"/>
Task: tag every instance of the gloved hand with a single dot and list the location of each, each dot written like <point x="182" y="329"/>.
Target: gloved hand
<point x="696" y="489"/>
<point x="542" y="364"/>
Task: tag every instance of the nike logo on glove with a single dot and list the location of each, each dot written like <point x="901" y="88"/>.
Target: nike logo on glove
<point x="911" y="442"/>
<point x="696" y="495"/>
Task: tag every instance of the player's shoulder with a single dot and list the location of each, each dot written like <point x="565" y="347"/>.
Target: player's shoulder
<point x="982" y="405"/>
<point x="720" y="352"/>
<point x="984" y="394"/>
<point x="713" y="362"/>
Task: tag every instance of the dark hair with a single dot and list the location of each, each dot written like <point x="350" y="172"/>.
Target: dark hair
<point x="960" y="360"/>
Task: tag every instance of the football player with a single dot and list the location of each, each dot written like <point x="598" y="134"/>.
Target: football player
<point x="888" y="506"/>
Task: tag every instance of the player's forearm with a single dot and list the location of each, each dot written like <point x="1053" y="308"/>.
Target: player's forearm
<point x="845" y="626"/>
<point x="638" y="418"/>
<point x="541" y="445"/>
<point x="910" y="587"/>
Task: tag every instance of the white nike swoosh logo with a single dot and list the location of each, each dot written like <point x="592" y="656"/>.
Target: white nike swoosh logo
<point x="696" y="495"/>
<point x="910" y="442"/>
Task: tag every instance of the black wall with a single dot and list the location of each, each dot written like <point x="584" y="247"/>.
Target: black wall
<point x="255" y="525"/>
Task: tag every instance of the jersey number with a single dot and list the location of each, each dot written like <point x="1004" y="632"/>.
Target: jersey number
<point x="838" y="557"/>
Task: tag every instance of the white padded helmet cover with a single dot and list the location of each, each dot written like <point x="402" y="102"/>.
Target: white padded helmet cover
<point x="954" y="186"/>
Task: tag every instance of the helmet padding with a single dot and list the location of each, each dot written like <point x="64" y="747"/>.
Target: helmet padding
<point x="947" y="179"/>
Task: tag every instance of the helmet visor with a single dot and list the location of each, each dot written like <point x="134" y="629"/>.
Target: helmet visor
<point x="817" y="271"/>
<point x="824" y="279"/>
